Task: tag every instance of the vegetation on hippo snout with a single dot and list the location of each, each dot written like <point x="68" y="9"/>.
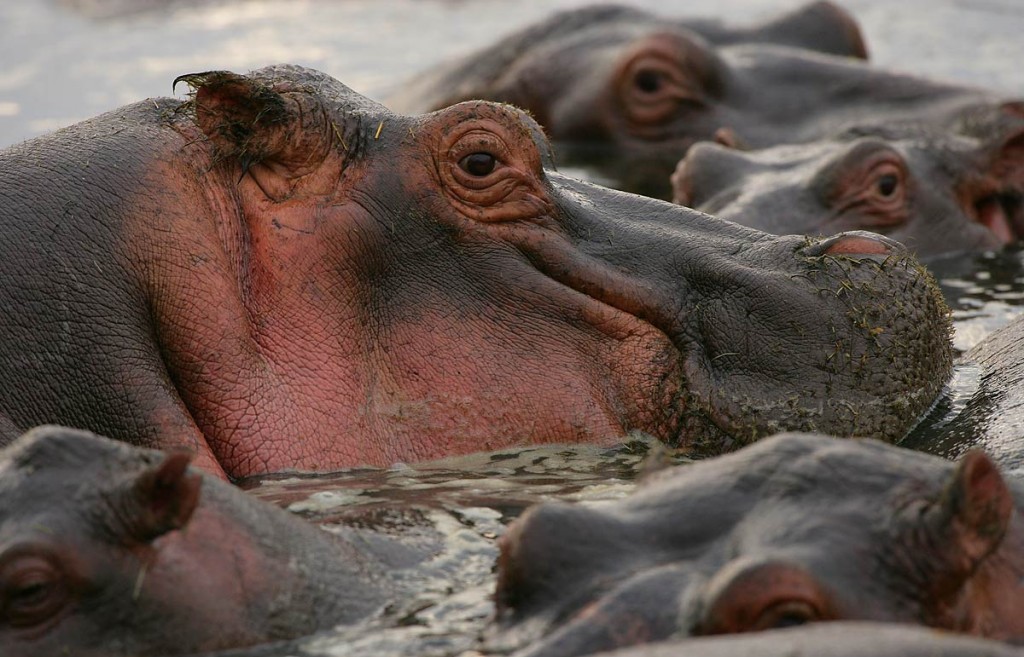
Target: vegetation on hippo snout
<point x="868" y="352"/>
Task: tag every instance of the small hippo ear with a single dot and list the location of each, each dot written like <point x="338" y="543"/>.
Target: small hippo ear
<point x="164" y="497"/>
<point x="973" y="513"/>
<point x="822" y="26"/>
<point x="257" y="121"/>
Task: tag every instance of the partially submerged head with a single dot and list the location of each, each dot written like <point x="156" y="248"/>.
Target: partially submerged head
<point x="551" y="310"/>
<point x="794" y="530"/>
<point x="938" y="186"/>
<point x="625" y="92"/>
<point x="83" y="521"/>
<point x="111" y="550"/>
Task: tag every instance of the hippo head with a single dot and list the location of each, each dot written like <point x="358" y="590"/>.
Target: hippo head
<point x="796" y="529"/>
<point x="625" y="92"/>
<point x="347" y="285"/>
<point x="937" y="186"/>
<point x="83" y="519"/>
<point x="108" y="550"/>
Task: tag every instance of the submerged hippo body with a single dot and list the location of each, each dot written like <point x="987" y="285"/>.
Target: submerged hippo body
<point x="283" y="275"/>
<point x="626" y="92"/>
<point x="795" y="529"/>
<point x="936" y="186"/>
<point x="109" y="550"/>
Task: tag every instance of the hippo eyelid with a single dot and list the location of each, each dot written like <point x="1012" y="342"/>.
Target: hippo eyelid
<point x="33" y="596"/>
<point x="508" y="184"/>
<point x="865" y="154"/>
<point x="754" y="594"/>
<point x="661" y="75"/>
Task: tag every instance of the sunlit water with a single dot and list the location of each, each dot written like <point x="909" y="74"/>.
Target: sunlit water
<point x="466" y="503"/>
<point x="67" y="60"/>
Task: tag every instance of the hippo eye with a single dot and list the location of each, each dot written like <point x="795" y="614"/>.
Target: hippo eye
<point x="786" y="614"/>
<point x="32" y="592"/>
<point x="649" y="81"/>
<point x="887" y="184"/>
<point x="749" y="596"/>
<point x="885" y="189"/>
<point x="478" y="164"/>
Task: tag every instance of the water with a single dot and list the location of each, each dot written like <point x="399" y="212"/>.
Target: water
<point x="66" y="60"/>
<point x="467" y="502"/>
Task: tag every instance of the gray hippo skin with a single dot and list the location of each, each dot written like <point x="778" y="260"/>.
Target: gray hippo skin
<point x="626" y="92"/>
<point x="830" y="640"/>
<point x="938" y="187"/>
<point x="110" y="550"/>
<point x="795" y="529"/>
<point x="281" y="274"/>
<point x="993" y="417"/>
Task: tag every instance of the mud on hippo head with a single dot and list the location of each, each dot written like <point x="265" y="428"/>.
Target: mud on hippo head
<point x="938" y="186"/>
<point x="793" y="530"/>
<point x="431" y="285"/>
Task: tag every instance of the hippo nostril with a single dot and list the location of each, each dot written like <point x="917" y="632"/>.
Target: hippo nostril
<point x="856" y="243"/>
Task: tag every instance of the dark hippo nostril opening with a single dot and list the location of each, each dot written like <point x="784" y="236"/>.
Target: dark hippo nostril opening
<point x="856" y="243"/>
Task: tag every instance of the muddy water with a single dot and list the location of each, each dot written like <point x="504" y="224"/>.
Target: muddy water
<point x="65" y="60"/>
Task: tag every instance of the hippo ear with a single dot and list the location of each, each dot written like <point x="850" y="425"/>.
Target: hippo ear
<point x="823" y="26"/>
<point x="258" y="122"/>
<point x="971" y="517"/>
<point x="163" y="497"/>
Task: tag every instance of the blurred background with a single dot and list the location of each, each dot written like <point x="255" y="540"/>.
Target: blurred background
<point x="65" y="60"/>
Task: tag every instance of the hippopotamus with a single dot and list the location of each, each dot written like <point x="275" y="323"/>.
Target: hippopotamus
<point x="111" y="550"/>
<point x="795" y="529"/>
<point x="280" y="274"/>
<point x="846" y="639"/>
<point x="939" y="187"/>
<point x="624" y="92"/>
<point x="850" y="639"/>
<point x="993" y="416"/>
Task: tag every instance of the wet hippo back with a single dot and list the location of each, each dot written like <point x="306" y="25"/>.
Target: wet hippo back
<point x="993" y="417"/>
